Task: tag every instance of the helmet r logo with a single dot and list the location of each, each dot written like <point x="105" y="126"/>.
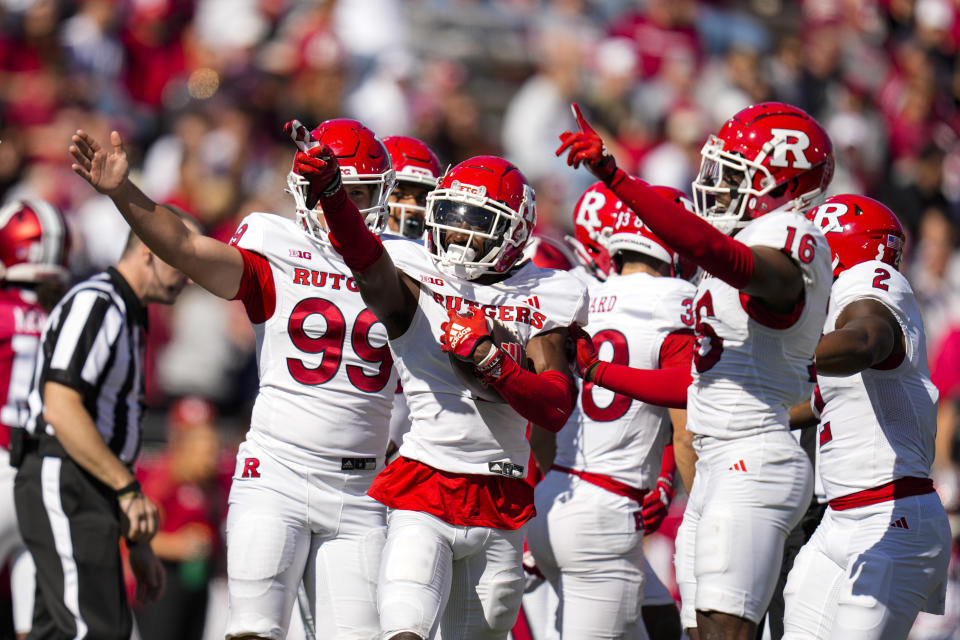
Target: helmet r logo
<point x="588" y="213"/>
<point x="793" y="141"/>
<point x="828" y="217"/>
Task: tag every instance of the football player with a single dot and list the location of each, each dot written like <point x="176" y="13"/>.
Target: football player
<point x="880" y="554"/>
<point x="34" y="243"/>
<point x="587" y="538"/>
<point x="457" y="499"/>
<point x="758" y="313"/>
<point x="417" y="170"/>
<point x="298" y="505"/>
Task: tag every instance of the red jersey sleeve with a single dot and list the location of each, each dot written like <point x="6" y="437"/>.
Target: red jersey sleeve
<point x="677" y="349"/>
<point x="257" y="291"/>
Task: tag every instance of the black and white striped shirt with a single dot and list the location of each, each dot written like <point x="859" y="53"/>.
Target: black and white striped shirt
<point x="94" y="344"/>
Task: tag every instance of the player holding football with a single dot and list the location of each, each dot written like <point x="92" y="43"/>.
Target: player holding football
<point x="758" y="313"/>
<point x="33" y="255"/>
<point x="880" y="554"/>
<point x="599" y="498"/>
<point x="457" y="499"/>
<point x="298" y="505"/>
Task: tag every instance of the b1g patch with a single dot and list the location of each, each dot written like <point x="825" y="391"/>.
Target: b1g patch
<point x="358" y="464"/>
<point x="507" y="469"/>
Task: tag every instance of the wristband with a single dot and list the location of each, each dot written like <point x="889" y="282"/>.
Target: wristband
<point x="491" y="365"/>
<point x="333" y="187"/>
<point x="133" y="487"/>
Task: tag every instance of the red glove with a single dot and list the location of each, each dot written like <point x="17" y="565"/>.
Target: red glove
<point x="586" y="354"/>
<point x="657" y="502"/>
<point x="462" y="334"/>
<point x="316" y="163"/>
<point x="587" y="146"/>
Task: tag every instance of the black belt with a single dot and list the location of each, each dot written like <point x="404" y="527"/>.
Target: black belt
<point x="44" y="446"/>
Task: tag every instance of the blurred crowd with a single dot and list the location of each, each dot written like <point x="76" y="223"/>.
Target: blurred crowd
<point x="200" y="89"/>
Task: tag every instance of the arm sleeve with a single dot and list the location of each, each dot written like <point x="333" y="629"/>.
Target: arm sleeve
<point x="545" y="399"/>
<point x="257" y="291"/>
<point x="689" y="234"/>
<point x="89" y="326"/>
<point x="664" y="387"/>
<point x="677" y="349"/>
<point x="349" y="234"/>
<point x="661" y="387"/>
<point x="668" y="464"/>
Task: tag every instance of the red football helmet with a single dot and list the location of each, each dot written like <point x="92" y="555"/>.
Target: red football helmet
<point x="594" y="216"/>
<point x="34" y="242"/>
<point x="630" y="234"/>
<point x="488" y="208"/>
<point x="363" y="160"/>
<point x="416" y="165"/>
<point x="858" y="229"/>
<point x="681" y="267"/>
<point x="766" y="156"/>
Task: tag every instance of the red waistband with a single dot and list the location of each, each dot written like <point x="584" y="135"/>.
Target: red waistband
<point x="899" y="488"/>
<point x="606" y="482"/>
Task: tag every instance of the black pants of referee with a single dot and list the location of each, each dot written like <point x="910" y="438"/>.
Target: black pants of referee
<point x="70" y="523"/>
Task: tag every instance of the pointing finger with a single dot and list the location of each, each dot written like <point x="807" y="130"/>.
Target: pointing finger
<point x="116" y="141"/>
<point x="581" y="121"/>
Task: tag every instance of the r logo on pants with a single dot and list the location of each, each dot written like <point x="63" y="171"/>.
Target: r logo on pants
<point x="250" y="468"/>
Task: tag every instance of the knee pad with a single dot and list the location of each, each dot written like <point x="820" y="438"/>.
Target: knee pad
<point x="259" y="549"/>
<point x="864" y="606"/>
<point x="505" y="596"/>
<point x="410" y="590"/>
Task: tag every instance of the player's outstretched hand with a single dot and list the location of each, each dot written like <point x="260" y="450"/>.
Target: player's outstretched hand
<point x="584" y="352"/>
<point x="148" y="571"/>
<point x="587" y="147"/>
<point x="315" y="162"/>
<point x="463" y="333"/>
<point x="104" y="169"/>
<point x="656" y="504"/>
<point x="138" y="517"/>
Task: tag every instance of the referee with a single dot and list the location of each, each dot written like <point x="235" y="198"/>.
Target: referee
<point x="75" y="491"/>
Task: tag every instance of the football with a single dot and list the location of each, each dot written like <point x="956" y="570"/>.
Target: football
<point x="466" y="373"/>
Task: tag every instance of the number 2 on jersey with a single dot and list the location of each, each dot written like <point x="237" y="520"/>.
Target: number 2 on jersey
<point x="880" y="281"/>
<point x="329" y="345"/>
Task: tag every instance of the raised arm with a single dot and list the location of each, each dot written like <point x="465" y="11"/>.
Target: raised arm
<point x="866" y="334"/>
<point x="762" y="272"/>
<point x="215" y="266"/>
<point x="386" y="291"/>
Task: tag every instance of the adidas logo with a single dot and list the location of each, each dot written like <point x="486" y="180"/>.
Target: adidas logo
<point x="738" y="466"/>
<point x="458" y="333"/>
<point x="533" y="302"/>
<point x="900" y="524"/>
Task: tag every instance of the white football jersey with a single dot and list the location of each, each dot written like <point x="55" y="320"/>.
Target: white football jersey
<point x="880" y="424"/>
<point x="751" y="366"/>
<point x="326" y="374"/>
<point x="451" y="430"/>
<point x="612" y="434"/>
